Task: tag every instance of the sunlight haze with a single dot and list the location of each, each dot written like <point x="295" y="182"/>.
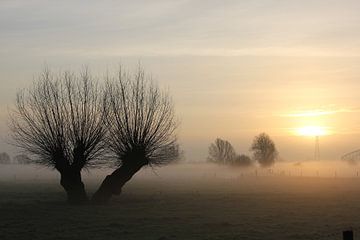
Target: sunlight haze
<point x="234" y="68"/>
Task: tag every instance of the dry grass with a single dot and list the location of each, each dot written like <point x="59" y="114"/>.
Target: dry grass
<point x="199" y="207"/>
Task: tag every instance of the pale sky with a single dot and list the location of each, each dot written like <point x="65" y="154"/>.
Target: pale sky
<point x="234" y="68"/>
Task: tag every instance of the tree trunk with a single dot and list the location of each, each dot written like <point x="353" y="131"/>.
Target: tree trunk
<point x="113" y="183"/>
<point x="74" y="187"/>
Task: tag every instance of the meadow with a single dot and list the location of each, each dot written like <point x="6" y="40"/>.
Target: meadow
<point x="186" y="201"/>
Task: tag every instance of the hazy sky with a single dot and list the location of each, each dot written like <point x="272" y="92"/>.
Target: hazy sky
<point x="234" y="68"/>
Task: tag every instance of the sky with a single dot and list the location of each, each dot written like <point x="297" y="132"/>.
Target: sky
<point x="234" y="68"/>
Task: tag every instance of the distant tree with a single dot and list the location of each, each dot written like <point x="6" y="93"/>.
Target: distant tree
<point x="221" y="151"/>
<point x="60" y="122"/>
<point x="142" y="125"/>
<point x="5" y="158"/>
<point x="22" y="159"/>
<point x="264" y="150"/>
<point x="242" y="160"/>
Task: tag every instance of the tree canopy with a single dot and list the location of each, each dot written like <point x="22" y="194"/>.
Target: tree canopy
<point x="60" y="120"/>
<point x="141" y="120"/>
<point x="221" y="151"/>
<point x="264" y="150"/>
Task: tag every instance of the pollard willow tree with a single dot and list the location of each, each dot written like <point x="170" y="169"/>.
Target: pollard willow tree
<point x="142" y="129"/>
<point x="60" y="123"/>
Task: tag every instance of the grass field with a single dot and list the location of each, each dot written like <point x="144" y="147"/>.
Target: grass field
<point x="189" y="206"/>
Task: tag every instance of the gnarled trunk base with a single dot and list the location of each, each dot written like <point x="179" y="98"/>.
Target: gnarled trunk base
<point x="113" y="183"/>
<point x="74" y="187"/>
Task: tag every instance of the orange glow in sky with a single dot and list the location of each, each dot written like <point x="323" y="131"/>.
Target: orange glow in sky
<point x="312" y="131"/>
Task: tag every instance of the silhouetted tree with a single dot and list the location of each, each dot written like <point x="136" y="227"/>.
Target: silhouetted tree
<point x="242" y="160"/>
<point x="5" y="158"/>
<point x="264" y="150"/>
<point x="221" y="151"/>
<point x="141" y="125"/>
<point x="60" y="122"/>
<point x="22" y="159"/>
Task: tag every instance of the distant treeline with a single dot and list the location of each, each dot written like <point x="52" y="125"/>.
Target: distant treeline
<point x="263" y="152"/>
<point x="18" y="159"/>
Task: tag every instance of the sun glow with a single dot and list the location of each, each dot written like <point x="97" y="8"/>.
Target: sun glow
<point x="312" y="131"/>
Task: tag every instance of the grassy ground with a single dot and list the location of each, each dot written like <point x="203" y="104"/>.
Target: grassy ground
<point x="186" y="208"/>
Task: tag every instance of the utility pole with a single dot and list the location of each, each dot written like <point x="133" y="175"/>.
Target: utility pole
<point x="317" y="149"/>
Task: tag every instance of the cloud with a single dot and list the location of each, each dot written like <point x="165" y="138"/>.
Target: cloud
<point x="191" y="28"/>
<point x="320" y="112"/>
<point x="161" y="51"/>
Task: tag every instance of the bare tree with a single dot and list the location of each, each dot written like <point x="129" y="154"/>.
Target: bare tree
<point x="5" y="158"/>
<point x="22" y="159"/>
<point x="221" y="151"/>
<point x="264" y="150"/>
<point x="141" y="125"/>
<point x="60" y="122"/>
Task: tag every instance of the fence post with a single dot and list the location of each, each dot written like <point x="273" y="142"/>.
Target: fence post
<point x="348" y="235"/>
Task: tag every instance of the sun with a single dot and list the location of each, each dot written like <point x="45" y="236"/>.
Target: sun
<point x="312" y="131"/>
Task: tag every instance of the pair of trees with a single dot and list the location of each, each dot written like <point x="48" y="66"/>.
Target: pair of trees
<point x="222" y="152"/>
<point x="18" y="159"/>
<point x="69" y="122"/>
<point x="263" y="149"/>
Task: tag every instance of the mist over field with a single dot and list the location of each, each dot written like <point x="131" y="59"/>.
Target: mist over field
<point x="196" y="171"/>
<point x="188" y="201"/>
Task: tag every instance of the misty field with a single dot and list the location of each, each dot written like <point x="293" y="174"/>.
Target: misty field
<point x="181" y="202"/>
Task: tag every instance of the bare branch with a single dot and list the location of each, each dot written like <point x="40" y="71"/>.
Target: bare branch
<point x="221" y="151"/>
<point x="141" y="120"/>
<point x="60" y="120"/>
